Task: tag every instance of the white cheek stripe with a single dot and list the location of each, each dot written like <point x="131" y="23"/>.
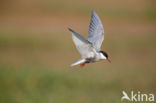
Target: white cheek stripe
<point x="102" y="56"/>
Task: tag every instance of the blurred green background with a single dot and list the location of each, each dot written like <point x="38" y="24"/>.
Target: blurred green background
<point x="36" y="51"/>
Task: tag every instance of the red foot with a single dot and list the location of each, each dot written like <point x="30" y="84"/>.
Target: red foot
<point x="83" y="64"/>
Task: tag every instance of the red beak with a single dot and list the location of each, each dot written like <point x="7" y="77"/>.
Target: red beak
<point x="108" y="60"/>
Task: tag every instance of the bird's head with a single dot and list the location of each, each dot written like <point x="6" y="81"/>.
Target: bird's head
<point x="104" y="55"/>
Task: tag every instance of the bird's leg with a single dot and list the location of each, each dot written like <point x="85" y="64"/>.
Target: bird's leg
<point x="83" y="64"/>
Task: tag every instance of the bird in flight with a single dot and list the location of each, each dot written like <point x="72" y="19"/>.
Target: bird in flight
<point x="90" y="49"/>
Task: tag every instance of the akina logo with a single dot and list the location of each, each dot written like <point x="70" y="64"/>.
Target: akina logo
<point x="137" y="96"/>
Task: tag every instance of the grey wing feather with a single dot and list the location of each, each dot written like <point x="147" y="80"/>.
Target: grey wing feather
<point x="83" y="46"/>
<point x="96" y="31"/>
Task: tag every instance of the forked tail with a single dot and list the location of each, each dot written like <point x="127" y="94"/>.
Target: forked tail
<point x="81" y="62"/>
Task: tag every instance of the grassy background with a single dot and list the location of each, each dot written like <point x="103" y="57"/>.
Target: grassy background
<point x="36" y="51"/>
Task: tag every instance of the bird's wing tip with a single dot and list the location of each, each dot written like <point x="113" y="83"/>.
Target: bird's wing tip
<point x="69" y="29"/>
<point x="93" y="12"/>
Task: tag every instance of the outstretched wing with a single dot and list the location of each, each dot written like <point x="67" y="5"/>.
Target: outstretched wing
<point x="96" y="31"/>
<point x="83" y="46"/>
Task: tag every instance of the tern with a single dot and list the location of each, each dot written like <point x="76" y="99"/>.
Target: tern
<point x="90" y="49"/>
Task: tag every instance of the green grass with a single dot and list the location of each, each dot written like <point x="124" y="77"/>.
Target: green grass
<point x="42" y="84"/>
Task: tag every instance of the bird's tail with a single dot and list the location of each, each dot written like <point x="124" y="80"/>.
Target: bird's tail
<point x="81" y="61"/>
